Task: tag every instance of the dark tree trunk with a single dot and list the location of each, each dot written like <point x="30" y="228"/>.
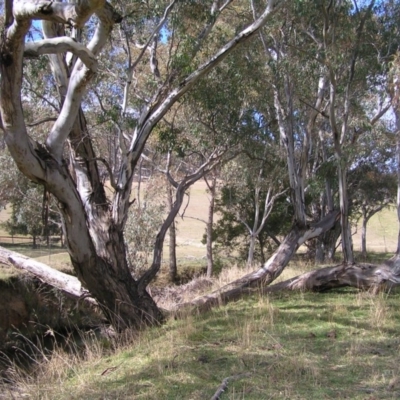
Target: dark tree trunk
<point x="173" y="267"/>
<point x="210" y="222"/>
<point x="326" y="245"/>
<point x="104" y="271"/>
<point x="173" y="270"/>
<point x="209" y="238"/>
<point x="364" y="234"/>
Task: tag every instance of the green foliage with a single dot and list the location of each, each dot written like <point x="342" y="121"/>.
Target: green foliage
<point x="237" y="202"/>
<point x="33" y="212"/>
<point x="28" y="213"/>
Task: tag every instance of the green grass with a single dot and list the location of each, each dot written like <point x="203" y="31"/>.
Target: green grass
<point x="287" y="346"/>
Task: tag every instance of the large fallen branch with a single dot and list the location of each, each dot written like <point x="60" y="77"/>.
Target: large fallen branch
<point x="67" y="283"/>
<point x="269" y="271"/>
<point x="362" y="276"/>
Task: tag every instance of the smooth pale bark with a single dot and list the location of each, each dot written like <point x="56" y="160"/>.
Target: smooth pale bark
<point x="285" y="123"/>
<point x="67" y="283"/>
<point x="173" y="270"/>
<point x="61" y="45"/>
<point x="259" y="224"/>
<point x="93" y="226"/>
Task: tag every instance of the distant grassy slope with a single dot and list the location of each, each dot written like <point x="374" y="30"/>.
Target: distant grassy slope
<point x="382" y="231"/>
<point x="381" y="234"/>
<point x="4" y="216"/>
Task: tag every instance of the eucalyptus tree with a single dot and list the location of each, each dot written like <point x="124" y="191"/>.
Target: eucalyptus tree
<point x="323" y="72"/>
<point x="66" y="163"/>
<point x="395" y="98"/>
<point x="338" y="55"/>
<point x="251" y="184"/>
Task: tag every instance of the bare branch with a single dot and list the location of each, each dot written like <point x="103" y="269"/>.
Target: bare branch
<point x="41" y="121"/>
<point x="61" y="45"/>
<point x="132" y="66"/>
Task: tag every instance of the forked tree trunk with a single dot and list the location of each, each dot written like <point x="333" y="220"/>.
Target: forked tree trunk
<point x="102" y="266"/>
<point x="93" y="224"/>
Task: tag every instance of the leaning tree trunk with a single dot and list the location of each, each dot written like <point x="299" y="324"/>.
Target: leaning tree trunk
<point x="270" y="270"/>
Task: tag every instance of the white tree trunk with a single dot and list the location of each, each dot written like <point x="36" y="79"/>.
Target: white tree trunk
<point x="93" y="227"/>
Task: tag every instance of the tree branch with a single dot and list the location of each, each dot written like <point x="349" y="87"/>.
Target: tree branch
<point x="80" y="77"/>
<point x="41" y="121"/>
<point x="61" y="45"/>
<point x="133" y="65"/>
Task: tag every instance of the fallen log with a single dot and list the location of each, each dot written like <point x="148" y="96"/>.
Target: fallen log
<point x="361" y="276"/>
<point x="268" y="272"/>
<point x="67" y="283"/>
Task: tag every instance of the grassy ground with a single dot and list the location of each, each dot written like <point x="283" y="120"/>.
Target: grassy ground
<point x="287" y="346"/>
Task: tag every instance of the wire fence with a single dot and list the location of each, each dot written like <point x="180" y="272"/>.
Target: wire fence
<point x="16" y="239"/>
